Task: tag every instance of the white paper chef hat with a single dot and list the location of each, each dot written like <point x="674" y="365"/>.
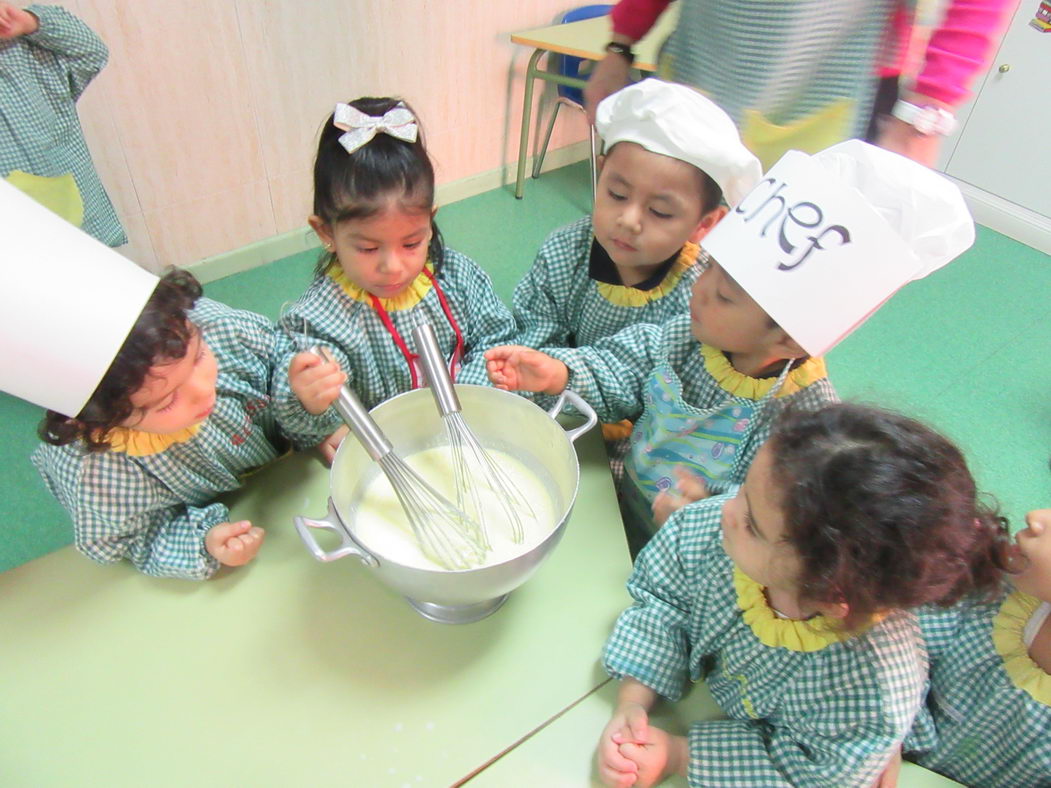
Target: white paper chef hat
<point x="822" y="241"/>
<point x="67" y="303"/>
<point x="677" y="121"/>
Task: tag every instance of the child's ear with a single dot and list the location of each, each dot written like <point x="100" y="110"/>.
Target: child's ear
<point x="786" y="347"/>
<point x="708" y="221"/>
<point x="837" y="610"/>
<point x="434" y="211"/>
<point x="599" y="161"/>
<point x="324" y="232"/>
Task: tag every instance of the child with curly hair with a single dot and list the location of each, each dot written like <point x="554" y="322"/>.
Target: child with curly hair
<point x="180" y="416"/>
<point x="791" y="601"/>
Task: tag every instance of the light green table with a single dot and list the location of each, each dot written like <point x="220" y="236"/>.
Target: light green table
<point x="289" y="672"/>
<point x="562" y="754"/>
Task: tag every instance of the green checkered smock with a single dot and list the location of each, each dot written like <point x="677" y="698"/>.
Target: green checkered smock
<point x="784" y="63"/>
<point x="376" y="369"/>
<point x="977" y="726"/>
<point x="826" y="717"/>
<point x="41" y="77"/>
<point x="612" y="373"/>
<point x="558" y="304"/>
<point x="155" y="510"/>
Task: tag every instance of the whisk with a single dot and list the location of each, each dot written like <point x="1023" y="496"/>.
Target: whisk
<point x="467" y="452"/>
<point x="445" y="534"/>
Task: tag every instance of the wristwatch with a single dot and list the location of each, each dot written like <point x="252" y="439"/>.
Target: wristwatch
<point x="624" y="50"/>
<point x="926" y="120"/>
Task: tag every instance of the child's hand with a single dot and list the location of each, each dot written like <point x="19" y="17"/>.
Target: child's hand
<point x="630" y="722"/>
<point x="315" y="381"/>
<point x="889" y="777"/>
<point x="233" y="544"/>
<point x="661" y="756"/>
<point x="15" y="22"/>
<point x="688" y="488"/>
<point x="328" y="446"/>
<point x="517" y="368"/>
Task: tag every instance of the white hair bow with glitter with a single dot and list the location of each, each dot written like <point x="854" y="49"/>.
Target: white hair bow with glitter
<point x="398" y="122"/>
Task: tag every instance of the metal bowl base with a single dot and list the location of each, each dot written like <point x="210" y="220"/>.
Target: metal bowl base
<point x="457" y="614"/>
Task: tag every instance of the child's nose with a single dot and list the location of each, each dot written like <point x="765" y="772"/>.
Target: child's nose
<point x="631" y="218"/>
<point x="1036" y="522"/>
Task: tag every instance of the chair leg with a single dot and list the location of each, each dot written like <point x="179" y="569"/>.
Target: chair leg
<point x="538" y="163"/>
<point x="594" y="162"/>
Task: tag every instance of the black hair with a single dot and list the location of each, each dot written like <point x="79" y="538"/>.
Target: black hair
<point x="357" y="185"/>
<point x="161" y="333"/>
<point x="883" y="512"/>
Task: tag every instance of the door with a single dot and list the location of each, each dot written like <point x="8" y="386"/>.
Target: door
<point x="1003" y="149"/>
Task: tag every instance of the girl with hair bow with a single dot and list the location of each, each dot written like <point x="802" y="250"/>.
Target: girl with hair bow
<point x="384" y="270"/>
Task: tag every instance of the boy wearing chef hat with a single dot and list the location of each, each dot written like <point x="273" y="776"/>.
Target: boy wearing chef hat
<point x="157" y="399"/>
<point x="672" y="158"/>
<point x="808" y="255"/>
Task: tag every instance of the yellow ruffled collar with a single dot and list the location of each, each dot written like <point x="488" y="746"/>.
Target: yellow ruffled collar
<point x="741" y="385"/>
<point x="406" y="299"/>
<point x="621" y="295"/>
<point x="136" y="443"/>
<point x="1008" y="628"/>
<point x="772" y="630"/>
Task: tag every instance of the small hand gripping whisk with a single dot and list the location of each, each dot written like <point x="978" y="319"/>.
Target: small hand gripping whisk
<point x="467" y="452"/>
<point x="445" y="534"/>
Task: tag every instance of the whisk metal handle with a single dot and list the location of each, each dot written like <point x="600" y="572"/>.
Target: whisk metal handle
<point x="434" y="369"/>
<point x="364" y="427"/>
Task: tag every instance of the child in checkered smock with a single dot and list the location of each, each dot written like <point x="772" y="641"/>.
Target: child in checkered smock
<point x="47" y="59"/>
<point x="790" y="601"/>
<point x="180" y="416"/>
<point x="799" y="263"/>
<point x="987" y="717"/>
<point x="387" y="271"/>
<point x="671" y="158"/>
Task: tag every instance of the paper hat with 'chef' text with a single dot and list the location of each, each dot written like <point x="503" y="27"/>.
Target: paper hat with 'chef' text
<point x="67" y="303"/>
<point x="823" y="241"/>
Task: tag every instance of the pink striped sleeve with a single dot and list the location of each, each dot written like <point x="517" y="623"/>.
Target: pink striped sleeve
<point x="961" y="47"/>
<point x="634" y="18"/>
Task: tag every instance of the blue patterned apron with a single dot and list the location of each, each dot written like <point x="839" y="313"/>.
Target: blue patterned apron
<point x="711" y="443"/>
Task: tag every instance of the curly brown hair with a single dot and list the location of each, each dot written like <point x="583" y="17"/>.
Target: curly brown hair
<point x="161" y="333"/>
<point x="883" y="512"/>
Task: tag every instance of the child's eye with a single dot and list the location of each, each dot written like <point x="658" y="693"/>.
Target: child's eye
<point x="365" y="250"/>
<point x="616" y="196"/>
<point x="171" y="403"/>
<point x="414" y="245"/>
<point x="750" y="525"/>
<point x="660" y="214"/>
<point x="722" y="299"/>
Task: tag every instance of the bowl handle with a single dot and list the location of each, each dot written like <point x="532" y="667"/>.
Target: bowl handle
<point x="587" y="411"/>
<point x="331" y="523"/>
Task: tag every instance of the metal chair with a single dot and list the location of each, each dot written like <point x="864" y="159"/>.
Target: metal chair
<point x="569" y="66"/>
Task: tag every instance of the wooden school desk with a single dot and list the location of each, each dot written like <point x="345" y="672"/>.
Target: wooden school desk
<point x="586" y="39"/>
